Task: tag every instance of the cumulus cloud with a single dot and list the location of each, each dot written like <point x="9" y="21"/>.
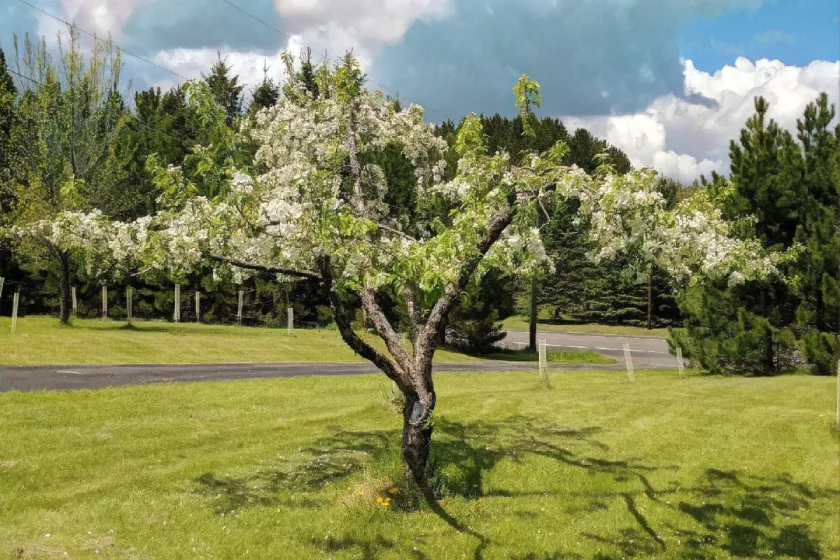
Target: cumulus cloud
<point x="592" y="57"/>
<point x="683" y="139"/>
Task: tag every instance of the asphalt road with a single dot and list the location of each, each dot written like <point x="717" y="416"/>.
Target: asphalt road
<point x="647" y="353"/>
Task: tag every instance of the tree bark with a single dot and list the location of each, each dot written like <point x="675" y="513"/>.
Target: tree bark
<point x="532" y="327"/>
<point x="650" y="299"/>
<point x="417" y="434"/>
<point x="65" y="299"/>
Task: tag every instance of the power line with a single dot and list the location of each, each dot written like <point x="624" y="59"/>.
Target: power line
<point x="108" y="42"/>
<point x="135" y="120"/>
<point x="291" y="38"/>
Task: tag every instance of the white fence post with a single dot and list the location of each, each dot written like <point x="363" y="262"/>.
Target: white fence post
<point x="197" y="307"/>
<point x="129" y="300"/>
<point x="176" y="316"/>
<point x="75" y="302"/>
<point x="239" y="310"/>
<point x="543" y="360"/>
<point x="680" y="363"/>
<point x="104" y="302"/>
<point x="628" y="360"/>
<point x="290" y="319"/>
<point x="2" y="281"/>
<point x="15" y="303"/>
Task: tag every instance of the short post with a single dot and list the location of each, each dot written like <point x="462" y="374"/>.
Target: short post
<point x="177" y="315"/>
<point x="680" y="363"/>
<point x="15" y="303"/>
<point x="129" y="297"/>
<point x="2" y="281"/>
<point x="543" y="361"/>
<point x="104" y="302"/>
<point x="197" y="307"/>
<point x="837" y="420"/>
<point x="290" y="319"/>
<point x="75" y="302"/>
<point x="628" y="360"/>
<point x="239" y="310"/>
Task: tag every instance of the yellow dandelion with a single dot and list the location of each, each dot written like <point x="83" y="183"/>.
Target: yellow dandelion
<point x="821" y="415"/>
<point x="644" y="495"/>
<point x="379" y="499"/>
<point x="394" y="490"/>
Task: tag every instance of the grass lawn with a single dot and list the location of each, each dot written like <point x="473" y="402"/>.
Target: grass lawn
<point x="595" y="468"/>
<point x="521" y="324"/>
<point x="43" y="340"/>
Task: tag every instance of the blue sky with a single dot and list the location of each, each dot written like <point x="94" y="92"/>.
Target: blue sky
<point x="616" y="67"/>
<point x="793" y="31"/>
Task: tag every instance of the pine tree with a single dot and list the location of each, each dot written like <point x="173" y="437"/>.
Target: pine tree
<point x="8" y="132"/>
<point x="264" y="95"/>
<point x="226" y="88"/>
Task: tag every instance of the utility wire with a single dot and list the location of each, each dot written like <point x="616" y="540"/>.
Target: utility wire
<point x="108" y="42"/>
<point x="291" y="38"/>
<point x="133" y="121"/>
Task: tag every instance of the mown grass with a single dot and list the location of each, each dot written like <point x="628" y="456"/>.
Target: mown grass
<point x="595" y="468"/>
<point x="552" y="356"/>
<point x="44" y="341"/>
<point x="522" y="324"/>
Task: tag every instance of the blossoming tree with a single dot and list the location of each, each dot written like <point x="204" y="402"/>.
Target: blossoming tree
<point x="316" y="206"/>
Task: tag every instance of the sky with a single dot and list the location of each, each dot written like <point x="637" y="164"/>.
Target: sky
<point x="668" y="81"/>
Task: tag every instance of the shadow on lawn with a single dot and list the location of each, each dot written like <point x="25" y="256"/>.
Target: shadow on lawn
<point x="723" y="513"/>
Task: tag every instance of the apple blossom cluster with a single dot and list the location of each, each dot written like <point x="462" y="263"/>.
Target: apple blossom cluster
<point x="321" y="194"/>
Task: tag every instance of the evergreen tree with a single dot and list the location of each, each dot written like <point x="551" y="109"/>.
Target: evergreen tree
<point x="8" y="133"/>
<point x="226" y="88"/>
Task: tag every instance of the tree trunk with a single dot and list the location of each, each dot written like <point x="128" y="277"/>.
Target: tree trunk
<point x="650" y="300"/>
<point x="65" y="300"/>
<point x="417" y="435"/>
<point x="532" y="335"/>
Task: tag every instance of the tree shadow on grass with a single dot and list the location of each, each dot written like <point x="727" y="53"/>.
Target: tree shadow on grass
<point x="724" y="513"/>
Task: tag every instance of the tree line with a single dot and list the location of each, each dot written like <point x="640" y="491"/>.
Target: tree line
<point x="69" y="140"/>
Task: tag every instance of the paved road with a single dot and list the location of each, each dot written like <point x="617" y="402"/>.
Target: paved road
<point x="51" y="378"/>
<point x="647" y="353"/>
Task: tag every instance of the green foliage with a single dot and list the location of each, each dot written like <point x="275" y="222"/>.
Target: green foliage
<point x="791" y="188"/>
<point x="226" y="89"/>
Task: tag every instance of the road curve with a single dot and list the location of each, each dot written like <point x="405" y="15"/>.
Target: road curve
<point x="647" y="353"/>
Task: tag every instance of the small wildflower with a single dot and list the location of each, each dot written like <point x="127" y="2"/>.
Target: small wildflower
<point x="644" y="495"/>
<point x="821" y="415"/>
<point x="394" y="490"/>
<point x="379" y="499"/>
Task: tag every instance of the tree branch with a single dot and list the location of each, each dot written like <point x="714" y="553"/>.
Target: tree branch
<point x="262" y="268"/>
<point x="428" y="337"/>
<point x="386" y="331"/>
<point x="353" y="340"/>
<point x="395" y="231"/>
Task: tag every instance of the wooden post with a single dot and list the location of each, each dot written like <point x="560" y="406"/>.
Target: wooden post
<point x="129" y="300"/>
<point x="15" y="303"/>
<point x="104" y="302"/>
<point x="543" y="360"/>
<point x="837" y="420"/>
<point x="290" y="319"/>
<point x="197" y="307"/>
<point x="680" y="363"/>
<point x="2" y="281"/>
<point x="628" y="360"/>
<point x="239" y="310"/>
<point x="176" y="316"/>
<point x="75" y="302"/>
<point x="650" y="299"/>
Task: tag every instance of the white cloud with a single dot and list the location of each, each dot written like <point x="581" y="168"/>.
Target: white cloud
<point x="683" y="138"/>
<point x="98" y="16"/>
<point x="368" y="23"/>
<point x="190" y="63"/>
